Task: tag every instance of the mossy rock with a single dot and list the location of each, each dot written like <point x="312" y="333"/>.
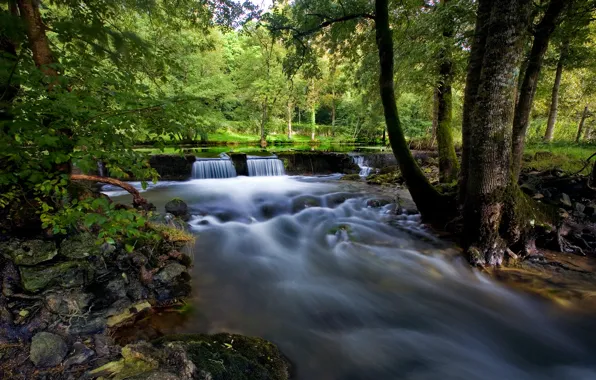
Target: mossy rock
<point x="233" y="357"/>
<point x="351" y="177"/>
<point x="79" y="246"/>
<point x="393" y="178"/>
<point x="29" y="252"/>
<point x="66" y="275"/>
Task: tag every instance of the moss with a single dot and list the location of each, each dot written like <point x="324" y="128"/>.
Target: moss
<point x="233" y="357"/>
<point x="172" y="234"/>
<point x="351" y="177"/>
<point x="393" y="178"/>
<point x="133" y="363"/>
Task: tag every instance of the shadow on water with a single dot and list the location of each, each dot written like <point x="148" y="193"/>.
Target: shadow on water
<point x="347" y="296"/>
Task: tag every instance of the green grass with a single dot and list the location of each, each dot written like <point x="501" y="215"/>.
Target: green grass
<point x="569" y="157"/>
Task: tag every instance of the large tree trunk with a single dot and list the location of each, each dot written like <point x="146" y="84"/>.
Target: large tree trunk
<point x="448" y="165"/>
<point x="472" y="82"/>
<point x="489" y="182"/>
<point x="580" y="127"/>
<point x="527" y="90"/>
<point x="431" y="204"/>
<point x="554" y="105"/>
<point x="38" y="40"/>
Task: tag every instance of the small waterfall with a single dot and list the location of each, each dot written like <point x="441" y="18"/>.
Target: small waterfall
<point x="364" y="170"/>
<point x="265" y="166"/>
<point x="101" y="168"/>
<point x="213" y="168"/>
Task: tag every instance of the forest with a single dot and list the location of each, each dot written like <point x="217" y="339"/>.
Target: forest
<point x="307" y="189"/>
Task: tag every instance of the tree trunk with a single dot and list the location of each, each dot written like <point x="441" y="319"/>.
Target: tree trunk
<point x="38" y="40"/>
<point x="435" y="116"/>
<point x="472" y="82"/>
<point x="489" y="182"/>
<point x="333" y="114"/>
<point x="384" y="139"/>
<point x="580" y="127"/>
<point x="448" y="165"/>
<point x="263" y="122"/>
<point x="592" y="180"/>
<point x="527" y="90"/>
<point x="432" y="205"/>
<point x="313" y="122"/>
<point x="289" y="120"/>
<point x="554" y="105"/>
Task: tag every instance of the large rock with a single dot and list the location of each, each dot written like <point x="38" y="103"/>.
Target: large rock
<point x="80" y="246"/>
<point x="68" y="302"/>
<point x="169" y="273"/>
<point x="172" y="167"/>
<point x="179" y="208"/>
<point x="47" y="349"/>
<point x="29" y="252"/>
<point x="66" y="275"/>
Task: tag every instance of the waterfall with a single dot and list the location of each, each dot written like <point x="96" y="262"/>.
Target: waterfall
<point x="213" y="168"/>
<point x="265" y="166"/>
<point x="364" y="170"/>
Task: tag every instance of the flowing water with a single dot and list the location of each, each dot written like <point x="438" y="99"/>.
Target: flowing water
<point x="350" y="292"/>
<point x="213" y="168"/>
<point x="265" y="166"/>
<point x="361" y="162"/>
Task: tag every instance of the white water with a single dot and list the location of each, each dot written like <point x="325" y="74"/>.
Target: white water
<point x="346" y="296"/>
<point x="361" y="162"/>
<point x="213" y="168"/>
<point x="259" y="166"/>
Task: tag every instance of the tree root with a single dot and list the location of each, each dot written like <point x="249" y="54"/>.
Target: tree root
<point x="137" y="200"/>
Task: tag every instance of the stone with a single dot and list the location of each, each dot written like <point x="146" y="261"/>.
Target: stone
<point x="179" y="208"/>
<point x="89" y="325"/>
<point x="29" y="252"/>
<point x="102" y="344"/>
<point x="80" y="354"/>
<point x="68" y="302"/>
<point x="127" y="313"/>
<point x="376" y="203"/>
<point x="115" y="289"/>
<point x="169" y="273"/>
<point x="80" y="246"/>
<point x="47" y="349"/>
<point x="547" y="193"/>
<point x="66" y="275"/>
<point x="137" y="359"/>
<point x="528" y="189"/>
<point x="565" y="200"/>
<point x="580" y="208"/>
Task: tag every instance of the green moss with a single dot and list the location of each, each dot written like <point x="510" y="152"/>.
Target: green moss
<point x="233" y="357"/>
<point x="351" y="177"/>
<point x="393" y="178"/>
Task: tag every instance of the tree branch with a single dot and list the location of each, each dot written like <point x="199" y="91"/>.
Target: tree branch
<point x="137" y="199"/>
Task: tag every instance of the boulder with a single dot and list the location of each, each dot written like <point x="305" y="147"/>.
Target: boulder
<point x="178" y="208"/>
<point x="580" y="208"/>
<point x="29" y="252"/>
<point x="80" y="246"/>
<point x="80" y="354"/>
<point x="47" y="349"/>
<point x="66" y="275"/>
<point x="68" y="302"/>
<point x="169" y="273"/>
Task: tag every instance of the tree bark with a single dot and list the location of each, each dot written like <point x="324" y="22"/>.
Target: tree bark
<point x="289" y="120"/>
<point x="313" y="122"/>
<point x="580" y="127"/>
<point x="489" y="182"/>
<point x="263" y="122"/>
<point x="472" y="82"/>
<point x="554" y="105"/>
<point x="333" y="114"/>
<point x="137" y="199"/>
<point x="435" y="116"/>
<point x="431" y="204"/>
<point x="527" y="90"/>
<point x="448" y="165"/>
<point x="38" y="40"/>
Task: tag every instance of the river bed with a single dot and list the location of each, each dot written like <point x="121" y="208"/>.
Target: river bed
<point x="350" y="291"/>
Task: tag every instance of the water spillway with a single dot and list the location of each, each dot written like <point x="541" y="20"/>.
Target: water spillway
<point x="213" y="168"/>
<point x="265" y="166"/>
<point x="361" y="162"/>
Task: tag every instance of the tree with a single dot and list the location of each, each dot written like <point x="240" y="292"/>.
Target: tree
<point x="554" y="105"/>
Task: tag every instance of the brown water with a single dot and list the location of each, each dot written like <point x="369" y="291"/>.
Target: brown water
<point x="351" y="292"/>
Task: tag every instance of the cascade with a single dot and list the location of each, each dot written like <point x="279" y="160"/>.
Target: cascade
<point x="213" y="168"/>
<point x="265" y="166"/>
<point x="364" y="170"/>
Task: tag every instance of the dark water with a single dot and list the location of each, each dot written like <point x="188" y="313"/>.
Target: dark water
<point x="346" y="296"/>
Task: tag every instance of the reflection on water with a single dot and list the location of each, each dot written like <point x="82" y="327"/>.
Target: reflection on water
<point x="346" y="296"/>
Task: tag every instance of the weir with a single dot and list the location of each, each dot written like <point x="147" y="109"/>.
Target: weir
<point x="364" y="169"/>
<point x="213" y="168"/>
<point x="265" y="166"/>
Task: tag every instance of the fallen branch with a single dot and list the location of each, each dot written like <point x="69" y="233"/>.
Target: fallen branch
<point x="137" y="199"/>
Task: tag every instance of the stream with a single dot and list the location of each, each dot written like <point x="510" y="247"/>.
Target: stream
<point x="352" y="292"/>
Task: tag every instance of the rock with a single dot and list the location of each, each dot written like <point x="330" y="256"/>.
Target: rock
<point x="90" y="325"/>
<point x="29" y="252"/>
<point x="565" y="200"/>
<point x="538" y="196"/>
<point x="547" y="193"/>
<point x="169" y="273"/>
<point x="102" y="345"/>
<point x="563" y="214"/>
<point x="376" y="203"/>
<point x="179" y="208"/>
<point x="528" y="189"/>
<point x="68" y="274"/>
<point x="136" y="291"/>
<point x="590" y="210"/>
<point x="115" y="290"/>
<point x="137" y="359"/>
<point x="47" y="349"/>
<point x="79" y="355"/>
<point x="351" y="177"/>
<point x="301" y="202"/>
<point x="68" y="303"/>
<point x="80" y="246"/>
<point x="11" y="279"/>
<point x="158" y="375"/>
<point x="580" y="208"/>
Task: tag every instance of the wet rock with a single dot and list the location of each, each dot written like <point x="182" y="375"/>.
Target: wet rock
<point x="304" y="201"/>
<point x="120" y="315"/>
<point x="47" y="349"/>
<point x="565" y="200"/>
<point x="158" y="375"/>
<point x="580" y="208"/>
<point x="80" y="246"/>
<point x="351" y="177"/>
<point x="137" y="359"/>
<point x="66" y="275"/>
<point x="334" y="200"/>
<point x="10" y="279"/>
<point x="178" y="208"/>
<point x="80" y="354"/>
<point x="528" y="189"/>
<point x="102" y="345"/>
<point x="29" y="252"/>
<point x="115" y="289"/>
<point x="136" y="291"/>
<point x="68" y="303"/>
<point x="89" y="325"/>
<point x="169" y="273"/>
<point x="376" y="203"/>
